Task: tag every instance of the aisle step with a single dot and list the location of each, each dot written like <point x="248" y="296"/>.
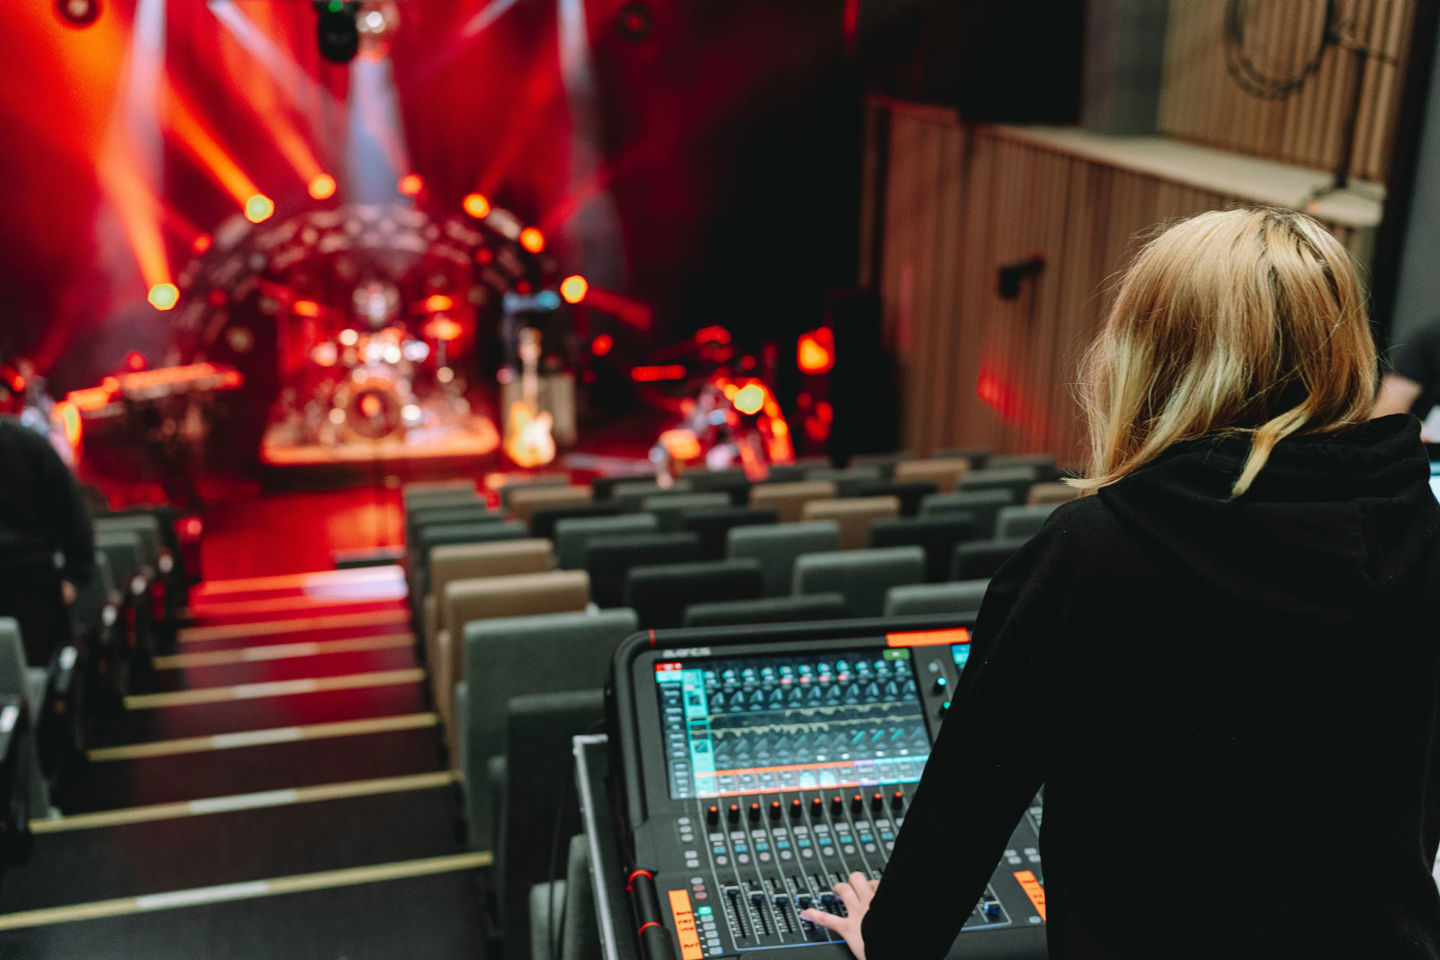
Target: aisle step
<point x="252" y="769"/>
<point x="298" y="627"/>
<point x="251" y="738"/>
<point x="284" y="608"/>
<point x="396" y="653"/>
<point x="418" y="908"/>
<point x="233" y="716"/>
<point x="241" y="845"/>
<point x="281" y="651"/>
<point x="360" y="584"/>
<point x="278" y="688"/>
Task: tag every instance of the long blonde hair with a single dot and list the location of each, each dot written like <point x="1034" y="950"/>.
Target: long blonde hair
<point x="1246" y="322"/>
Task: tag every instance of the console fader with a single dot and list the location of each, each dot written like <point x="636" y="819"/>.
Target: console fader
<point x="757" y="770"/>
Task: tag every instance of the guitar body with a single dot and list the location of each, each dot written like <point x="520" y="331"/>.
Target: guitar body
<point x="529" y="440"/>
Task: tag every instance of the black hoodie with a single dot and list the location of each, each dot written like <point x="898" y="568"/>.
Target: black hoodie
<point x="1233" y="705"/>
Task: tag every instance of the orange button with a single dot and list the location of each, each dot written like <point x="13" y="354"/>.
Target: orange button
<point x="1033" y="889"/>
<point x="927" y="638"/>
<point x="685" y="930"/>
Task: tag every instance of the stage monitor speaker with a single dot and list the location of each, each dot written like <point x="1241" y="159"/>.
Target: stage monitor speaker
<point x="998" y="61"/>
<point x="863" y="390"/>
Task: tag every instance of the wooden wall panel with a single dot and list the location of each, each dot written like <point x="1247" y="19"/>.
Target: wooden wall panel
<point x="1200" y="101"/>
<point x="976" y="369"/>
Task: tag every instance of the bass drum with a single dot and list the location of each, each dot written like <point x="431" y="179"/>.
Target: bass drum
<point x="372" y="400"/>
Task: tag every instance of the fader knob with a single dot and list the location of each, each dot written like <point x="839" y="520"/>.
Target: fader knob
<point x="897" y="800"/>
<point x="857" y="803"/>
<point x="837" y="805"/>
<point x="712" y="815"/>
<point x="755" y="813"/>
<point x="941" y="684"/>
<point x="775" y="810"/>
<point x="817" y="807"/>
<point x="734" y="813"/>
<point x="795" y="807"/>
<point x="877" y="802"/>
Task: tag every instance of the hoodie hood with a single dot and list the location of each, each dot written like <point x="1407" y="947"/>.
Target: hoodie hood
<point x="1331" y="521"/>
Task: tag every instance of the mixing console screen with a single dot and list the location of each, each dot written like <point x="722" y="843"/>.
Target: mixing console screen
<point x="750" y="724"/>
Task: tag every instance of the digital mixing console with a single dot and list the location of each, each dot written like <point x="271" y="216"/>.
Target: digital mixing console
<point x="756" y="768"/>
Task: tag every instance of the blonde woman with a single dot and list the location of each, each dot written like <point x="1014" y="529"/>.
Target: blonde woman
<point x="1224" y="667"/>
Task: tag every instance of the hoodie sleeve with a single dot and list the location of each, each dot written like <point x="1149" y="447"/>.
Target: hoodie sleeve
<point x="987" y="762"/>
<point x="67" y="514"/>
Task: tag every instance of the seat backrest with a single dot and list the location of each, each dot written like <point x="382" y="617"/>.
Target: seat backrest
<point x="13" y="669"/>
<point x="937" y="535"/>
<point x="855" y="516"/>
<point x="426" y="492"/>
<point x="525" y="501"/>
<point x="1044" y="463"/>
<point x="123" y="549"/>
<point x="847" y="480"/>
<point x="959" y="596"/>
<point x="670" y="507"/>
<point x="469" y="561"/>
<point x="789" y="499"/>
<point x="980" y="505"/>
<point x="978" y="456"/>
<point x="660" y="594"/>
<point x="514" y="656"/>
<point x="725" y="613"/>
<point x="1022" y="521"/>
<point x="981" y="558"/>
<point x="628" y="495"/>
<point x="573" y="534"/>
<point x="530" y="481"/>
<point x="734" y="483"/>
<point x="713" y="526"/>
<point x="476" y="511"/>
<point x="944" y="472"/>
<point x="795" y="472"/>
<point x="144" y="526"/>
<point x="1017" y="480"/>
<point x="544" y="519"/>
<point x="777" y="546"/>
<point x="862" y="577"/>
<point x="885" y="461"/>
<point x="539" y="729"/>
<point x="909" y="493"/>
<point x="429" y="538"/>
<point x="1041" y="493"/>
<point x="609" y="559"/>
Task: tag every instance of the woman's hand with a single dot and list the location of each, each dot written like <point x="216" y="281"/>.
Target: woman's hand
<point x="856" y="895"/>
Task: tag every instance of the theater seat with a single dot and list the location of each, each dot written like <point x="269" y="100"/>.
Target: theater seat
<point x="467" y="561"/>
<point x="574" y="534"/>
<point x="776" y="547"/>
<point x="980" y="505"/>
<point x="848" y="480"/>
<point x="1041" y="493"/>
<point x="529" y="481"/>
<point x="937" y="535"/>
<point x="1022" y="522"/>
<point x="1017" y="480"/>
<point x="628" y="495"/>
<point x="944" y="472"/>
<point x="960" y="596"/>
<point x="789" y="499"/>
<point x="573" y="898"/>
<point x="671" y="508"/>
<point x="525" y="594"/>
<point x="544" y="519"/>
<point x="524" y="502"/>
<point x="855" y="516"/>
<point x="713" y="526"/>
<point x="609" y="559"/>
<point x="981" y="558"/>
<point x="1044" y="463"/>
<point x="862" y="577"/>
<point x="428" y="539"/>
<point x="811" y="606"/>
<point x="733" y="483"/>
<point x="28" y="683"/>
<point x="909" y="494"/>
<point x="537" y="771"/>
<point x="513" y="656"/>
<point x="660" y="594"/>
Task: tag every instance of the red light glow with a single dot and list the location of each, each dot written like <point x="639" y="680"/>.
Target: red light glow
<point x="164" y="296"/>
<point x="716" y="334"/>
<point x="202" y="243"/>
<point x="443" y="328"/>
<point x="322" y="187"/>
<point x="573" y="289"/>
<point x="477" y="205"/>
<point x="411" y="184"/>
<point x="750" y="398"/>
<point x="437" y="302"/>
<point x="670" y="371"/>
<point x="305" y="308"/>
<point x="135" y="360"/>
<point x="532" y="239"/>
<point x="602" y="344"/>
<point x="815" y="352"/>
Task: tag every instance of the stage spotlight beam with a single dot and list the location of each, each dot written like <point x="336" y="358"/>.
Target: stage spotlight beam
<point x="336" y="29"/>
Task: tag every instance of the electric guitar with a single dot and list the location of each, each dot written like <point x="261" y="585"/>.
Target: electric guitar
<point x="528" y="439"/>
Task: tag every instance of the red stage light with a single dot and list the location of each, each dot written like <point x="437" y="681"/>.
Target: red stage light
<point x="259" y="208"/>
<point x="532" y="239"/>
<point x="437" y="302"/>
<point x="305" y="308"/>
<point x="749" y="398"/>
<point x="523" y="287"/>
<point x="484" y="256"/>
<point x="164" y="296"/>
<point x="573" y="289"/>
<point x="672" y="371"/>
<point x="202" y="243"/>
<point x="135" y="360"/>
<point x="716" y="334"/>
<point x="443" y="328"/>
<point x="477" y="205"/>
<point x="322" y="187"/>
<point x="69" y="416"/>
<point x="815" y="352"/>
<point x="411" y="184"/>
<point x="602" y="344"/>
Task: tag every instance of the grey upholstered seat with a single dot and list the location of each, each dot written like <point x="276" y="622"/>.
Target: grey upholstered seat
<point x="861" y="576"/>
<point x="777" y="546"/>
<point x="957" y="596"/>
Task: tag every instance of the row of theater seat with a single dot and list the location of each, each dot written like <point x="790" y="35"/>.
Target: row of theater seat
<point x="520" y="607"/>
<point x="51" y="713"/>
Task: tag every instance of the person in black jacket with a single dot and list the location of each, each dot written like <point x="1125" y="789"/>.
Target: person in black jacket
<point x="42" y="516"/>
<point x="1223" y="665"/>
